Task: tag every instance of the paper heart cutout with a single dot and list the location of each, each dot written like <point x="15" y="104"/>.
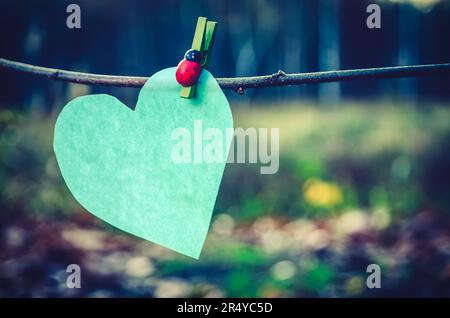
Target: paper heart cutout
<point x="117" y="162"/>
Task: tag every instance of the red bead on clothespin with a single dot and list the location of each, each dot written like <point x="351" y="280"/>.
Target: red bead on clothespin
<point x="197" y="58"/>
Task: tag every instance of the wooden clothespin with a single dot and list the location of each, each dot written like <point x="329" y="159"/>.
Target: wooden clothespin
<point x="203" y="41"/>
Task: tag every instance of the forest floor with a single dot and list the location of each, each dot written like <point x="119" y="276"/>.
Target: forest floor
<point x="358" y="184"/>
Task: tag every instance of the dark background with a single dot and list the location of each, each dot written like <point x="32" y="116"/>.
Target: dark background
<point x="254" y="38"/>
<point x="364" y="166"/>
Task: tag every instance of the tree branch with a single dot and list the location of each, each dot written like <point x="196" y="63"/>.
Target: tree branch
<point x="238" y="84"/>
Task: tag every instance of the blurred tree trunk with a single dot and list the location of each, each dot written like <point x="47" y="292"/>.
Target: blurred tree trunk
<point x="329" y="50"/>
<point x="408" y="47"/>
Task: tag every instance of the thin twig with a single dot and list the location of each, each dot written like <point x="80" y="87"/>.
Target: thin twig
<point x="238" y="84"/>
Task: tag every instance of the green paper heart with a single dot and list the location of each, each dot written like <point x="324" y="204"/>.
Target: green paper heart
<point x="117" y="162"/>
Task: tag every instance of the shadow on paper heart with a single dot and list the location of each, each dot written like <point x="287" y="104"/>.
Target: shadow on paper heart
<point x="117" y="162"/>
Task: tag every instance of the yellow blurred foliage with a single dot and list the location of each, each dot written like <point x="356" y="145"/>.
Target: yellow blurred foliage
<point x="354" y="285"/>
<point x="321" y="193"/>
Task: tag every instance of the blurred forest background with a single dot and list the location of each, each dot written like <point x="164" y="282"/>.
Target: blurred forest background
<point x="364" y="166"/>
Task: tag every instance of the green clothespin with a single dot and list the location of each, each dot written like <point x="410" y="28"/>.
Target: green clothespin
<point x="203" y="41"/>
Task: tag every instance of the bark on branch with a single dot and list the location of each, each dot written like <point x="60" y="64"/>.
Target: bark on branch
<point x="238" y="84"/>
